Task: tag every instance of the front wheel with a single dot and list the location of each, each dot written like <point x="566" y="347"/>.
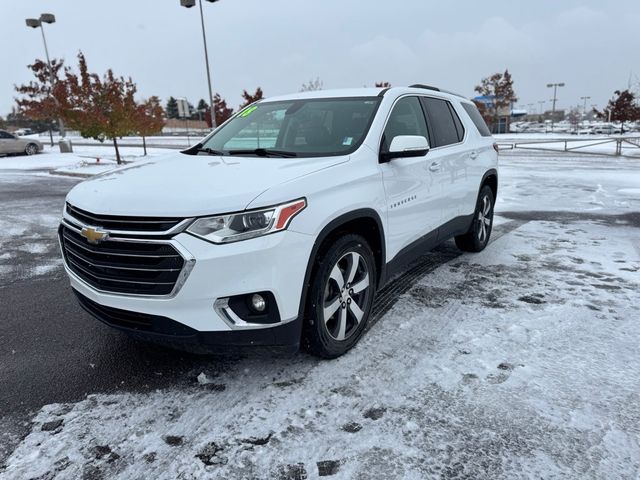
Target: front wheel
<point x="340" y="297"/>
<point x="477" y="237"/>
<point x="31" y="149"/>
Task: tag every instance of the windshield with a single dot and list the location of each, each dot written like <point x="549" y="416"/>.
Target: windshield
<point x="301" y="128"/>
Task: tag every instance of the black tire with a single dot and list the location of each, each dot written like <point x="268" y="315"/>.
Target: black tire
<point x="477" y="238"/>
<point x="31" y="149"/>
<point x="327" y="339"/>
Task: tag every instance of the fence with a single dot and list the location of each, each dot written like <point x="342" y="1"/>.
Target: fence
<point x="615" y="146"/>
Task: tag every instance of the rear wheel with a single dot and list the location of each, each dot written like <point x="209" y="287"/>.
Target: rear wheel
<point x="477" y="237"/>
<point x="340" y="297"/>
<point x="31" y="149"/>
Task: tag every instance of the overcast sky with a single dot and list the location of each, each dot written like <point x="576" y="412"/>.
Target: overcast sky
<point x="591" y="45"/>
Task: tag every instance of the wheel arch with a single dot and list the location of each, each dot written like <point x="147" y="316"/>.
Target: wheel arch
<point x="365" y="222"/>
<point x="490" y="178"/>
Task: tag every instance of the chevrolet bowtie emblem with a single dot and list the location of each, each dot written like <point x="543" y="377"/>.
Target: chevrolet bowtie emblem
<point x="94" y="235"/>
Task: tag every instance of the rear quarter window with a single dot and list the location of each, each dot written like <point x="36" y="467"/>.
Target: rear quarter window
<point x="444" y="123"/>
<point x="477" y="119"/>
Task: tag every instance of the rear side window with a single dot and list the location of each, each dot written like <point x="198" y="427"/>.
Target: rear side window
<point x="477" y="119"/>
<point x="444" y="123"/>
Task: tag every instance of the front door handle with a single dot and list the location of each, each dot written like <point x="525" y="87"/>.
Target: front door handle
<point x="434" y="167"/>
<point x="474" y="155"/>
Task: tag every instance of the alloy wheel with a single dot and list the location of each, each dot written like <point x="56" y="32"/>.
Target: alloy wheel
<point x="346" y="293"/>
<point x="484" y="219"/>
<point x="31" y="149"/>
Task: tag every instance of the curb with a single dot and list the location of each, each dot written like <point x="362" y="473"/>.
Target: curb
<point x="72" y="174"/>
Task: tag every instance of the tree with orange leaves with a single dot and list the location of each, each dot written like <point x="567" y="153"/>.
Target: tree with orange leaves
<point x="221" y="110"/>
<point x="41" y="100"/>
<point x="100" y="108"/>
<point x="249" y="98"/>
<point x="149" y="119"/>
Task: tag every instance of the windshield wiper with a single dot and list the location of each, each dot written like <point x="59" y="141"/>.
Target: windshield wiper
<point x="208" y="150"/>
<point x="264" y="152"/>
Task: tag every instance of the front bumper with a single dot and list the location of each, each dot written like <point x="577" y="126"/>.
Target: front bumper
<point x="274" y="263"/>
<point x="168" y="332"/>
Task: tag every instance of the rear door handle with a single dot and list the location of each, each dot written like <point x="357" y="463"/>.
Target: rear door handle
<point x="474" y="155"/>
<point x="434" y="167"/>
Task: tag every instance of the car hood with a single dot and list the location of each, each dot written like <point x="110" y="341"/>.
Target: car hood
<point x="179" y="185"/>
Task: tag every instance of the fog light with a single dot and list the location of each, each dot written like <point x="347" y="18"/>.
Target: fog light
<point x="258" y="303"/>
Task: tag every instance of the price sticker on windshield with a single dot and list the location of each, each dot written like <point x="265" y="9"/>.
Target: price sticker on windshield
<point x="248" y="111"/>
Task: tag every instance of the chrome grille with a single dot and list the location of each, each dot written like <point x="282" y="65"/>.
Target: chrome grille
<point x="123" y="266"/>
<point x="120" y="223"/>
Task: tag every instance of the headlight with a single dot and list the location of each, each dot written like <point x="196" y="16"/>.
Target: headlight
<point x="244" y="225"/>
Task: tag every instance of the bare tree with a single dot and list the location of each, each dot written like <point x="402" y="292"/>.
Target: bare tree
<point x="574" y="116"/>
<point x="312" y="86"/>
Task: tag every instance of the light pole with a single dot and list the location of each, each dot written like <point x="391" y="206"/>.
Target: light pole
<point x="35" y="23"/>
<point x="189" y="4"/>
<point x="541" y="103"/>
<point x="555" y="97"/>
<point x="584" y="109"/>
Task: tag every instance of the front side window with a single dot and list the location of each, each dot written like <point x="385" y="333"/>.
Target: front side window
<point x="6" y="135"/>
<point x="304" y="128"/>
<point x="406" y="118"/>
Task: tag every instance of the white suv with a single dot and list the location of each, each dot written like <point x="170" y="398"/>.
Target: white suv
<point x="279" y="227"/>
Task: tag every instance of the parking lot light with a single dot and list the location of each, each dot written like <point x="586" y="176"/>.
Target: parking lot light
<point x="189" y="4"/>
<point x="35" y="23"/>
<point x="553" y="109"/>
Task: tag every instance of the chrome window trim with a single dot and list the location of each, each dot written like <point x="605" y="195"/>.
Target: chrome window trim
<point x="189" y="263"/>
<point x="386" y="120"/>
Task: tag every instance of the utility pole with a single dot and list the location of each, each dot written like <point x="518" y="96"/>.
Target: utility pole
<point x="555" y="98"/>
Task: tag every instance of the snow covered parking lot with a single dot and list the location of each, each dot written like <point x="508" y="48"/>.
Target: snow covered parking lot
<point x="518" y="362"/>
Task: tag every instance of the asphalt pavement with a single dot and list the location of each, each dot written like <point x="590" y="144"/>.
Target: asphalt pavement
<point x="51" y="351"/>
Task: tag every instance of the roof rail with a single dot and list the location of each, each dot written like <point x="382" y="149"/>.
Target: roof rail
<point x="427" y="87"/>
<point x="436" y="89"/>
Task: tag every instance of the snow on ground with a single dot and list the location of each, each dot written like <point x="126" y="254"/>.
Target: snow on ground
<point x="581" y="183"/>
<point x="84" y="161"/>
<point x="518" y="362"/>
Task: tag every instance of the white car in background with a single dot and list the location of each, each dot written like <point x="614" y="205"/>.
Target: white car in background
<point x="606" y="129"/>
<point x="10" y="144"/>
<point x="280" y="226"/>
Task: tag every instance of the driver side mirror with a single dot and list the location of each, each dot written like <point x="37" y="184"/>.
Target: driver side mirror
<point x="403" y="146"/>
